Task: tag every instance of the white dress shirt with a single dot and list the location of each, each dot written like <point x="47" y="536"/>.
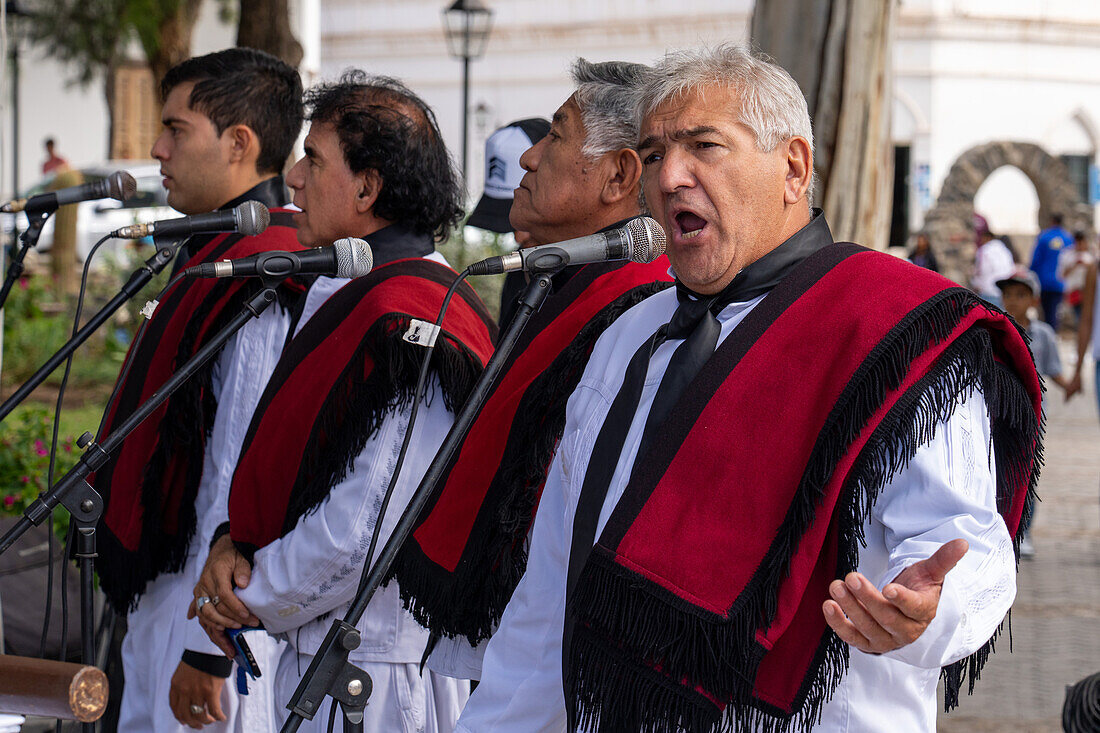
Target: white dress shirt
<point x="314" y="569"/>
<point x="157" y="629"/>
<point x="947" y="491"/>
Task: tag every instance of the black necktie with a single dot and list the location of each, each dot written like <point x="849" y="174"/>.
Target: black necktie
<point x="695" y="321"/>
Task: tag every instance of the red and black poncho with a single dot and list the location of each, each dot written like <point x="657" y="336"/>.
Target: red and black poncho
<point x="703" y="592"/>
<point x="468" y="550"/>
<point x="339" y="376"/>
<point x="149" y="485"/>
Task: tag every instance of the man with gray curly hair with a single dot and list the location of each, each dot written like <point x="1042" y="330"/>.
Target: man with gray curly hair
<point x="769" y="508"/>
<point x="581" y="178"/>
<point x="584" y="176"/>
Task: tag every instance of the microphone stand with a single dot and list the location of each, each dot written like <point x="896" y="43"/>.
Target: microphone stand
<point x="138" y="280"/>
<point x="330" y="672"/>
<point x="29" y="239"/>
<point x="77" y="495"/>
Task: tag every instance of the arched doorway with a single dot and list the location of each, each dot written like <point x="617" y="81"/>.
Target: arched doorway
<point x="949" y="222"/>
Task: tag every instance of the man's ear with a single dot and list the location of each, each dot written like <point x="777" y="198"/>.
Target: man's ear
<point x="370" y="186"/>
<point x="244" y="145"/>
<point x="625" y="172"/>
<point x="800" y="169"/>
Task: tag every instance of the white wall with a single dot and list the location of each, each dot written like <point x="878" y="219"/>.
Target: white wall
<point x="983" y="70"/>
<point x="525" y="71"/>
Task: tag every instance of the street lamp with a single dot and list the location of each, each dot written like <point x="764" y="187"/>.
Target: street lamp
<point x="466" y="24"/>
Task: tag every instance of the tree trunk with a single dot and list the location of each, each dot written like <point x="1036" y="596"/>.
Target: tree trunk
<point x="265" y="25"/>
<point x="839" y="52"/>
<point x="173" y="40"/>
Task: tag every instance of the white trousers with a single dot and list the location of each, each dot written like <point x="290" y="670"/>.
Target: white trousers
<point x="151" y="651"/>
<point x="402" y="701"/>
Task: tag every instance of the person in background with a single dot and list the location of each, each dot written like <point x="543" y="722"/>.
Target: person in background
<point x="53" y="160"/>
<point x="1073" y="265"/>
<point x="502" y="175"/>
<point x="1050" y="243"/>
<point x="1088" y="332"/>
<point x="1020" y="292"/>
<point x="922" y="254"/>
<point x="992" y="261"/>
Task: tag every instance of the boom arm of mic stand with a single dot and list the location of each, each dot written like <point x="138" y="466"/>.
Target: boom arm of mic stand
<point x="96" y="455"/>
<point x="29" y="239"/>
<point x="138" y="280"/>
<point x="328" y="673"/>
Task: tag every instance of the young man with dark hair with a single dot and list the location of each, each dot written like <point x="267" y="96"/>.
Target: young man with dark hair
<point x="321" y="449"/>
<point x="230" y="120"/>
<point x="227" y="93"/>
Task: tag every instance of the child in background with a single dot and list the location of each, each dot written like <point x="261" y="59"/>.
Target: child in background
<point x="1020" y="292"/>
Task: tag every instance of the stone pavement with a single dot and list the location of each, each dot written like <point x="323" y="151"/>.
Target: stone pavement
<point x="1056" y="618"/>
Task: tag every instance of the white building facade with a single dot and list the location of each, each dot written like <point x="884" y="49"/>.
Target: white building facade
<point x="966" y="73"/>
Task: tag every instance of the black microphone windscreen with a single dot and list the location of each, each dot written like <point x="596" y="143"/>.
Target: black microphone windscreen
<point x="121" y="186"/>
<point x="252" y="218"/>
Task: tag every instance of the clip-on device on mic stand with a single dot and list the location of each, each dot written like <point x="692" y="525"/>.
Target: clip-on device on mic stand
<point x="138" y="280"/>
<point x="82" y="501"/>
<point x="28" y="239"/>
<point x="330" y="672"/>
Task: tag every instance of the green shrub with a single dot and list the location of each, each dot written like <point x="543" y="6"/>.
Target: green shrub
<point x="24" y="462"/>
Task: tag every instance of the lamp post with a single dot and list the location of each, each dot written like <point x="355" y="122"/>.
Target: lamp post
<point x="466" y="24"/>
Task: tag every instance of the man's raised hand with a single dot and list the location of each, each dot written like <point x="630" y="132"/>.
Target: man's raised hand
<point x="875" y="622"/>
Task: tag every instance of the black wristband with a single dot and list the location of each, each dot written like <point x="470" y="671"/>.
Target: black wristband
<point x="212" y="664"/>
<point x="221" y="531"/>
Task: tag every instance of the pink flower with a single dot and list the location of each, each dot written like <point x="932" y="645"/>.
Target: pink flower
<point x="22" y="283"/>
<point x="25" y="479"/>
<point x="9" y="500"/>
<point x="40" y="448"/>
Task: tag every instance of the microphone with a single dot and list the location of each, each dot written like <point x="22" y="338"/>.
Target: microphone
<point x="640" y="240"/>
<point x="120" y="185"/>
<point x="348" y="257"/>
<point x="249" y="219"/>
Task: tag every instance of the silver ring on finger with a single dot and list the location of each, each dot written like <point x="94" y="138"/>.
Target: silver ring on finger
<point x="215" y="600"/>
<point x="197" y="709"/>
<point x="200" y="602"/>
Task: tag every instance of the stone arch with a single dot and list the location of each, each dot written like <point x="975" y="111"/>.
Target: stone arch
<point x="950" y="222"/>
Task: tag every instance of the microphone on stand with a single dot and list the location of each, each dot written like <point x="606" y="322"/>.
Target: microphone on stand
<point x="348" y="257"/>
<point x="640" y="240"/>
<point x="120" y="185"/>
<point x="249" y="219"/>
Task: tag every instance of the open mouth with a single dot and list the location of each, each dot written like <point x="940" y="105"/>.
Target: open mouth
<point x="689" y="224"/>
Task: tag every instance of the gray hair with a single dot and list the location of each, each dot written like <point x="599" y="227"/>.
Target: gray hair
<point x="606" y="94"/>
<point x="771" y="103"/>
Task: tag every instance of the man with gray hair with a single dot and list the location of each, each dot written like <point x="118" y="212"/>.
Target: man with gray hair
<point x="468" y="552"/>
<point x="770" y="508"/>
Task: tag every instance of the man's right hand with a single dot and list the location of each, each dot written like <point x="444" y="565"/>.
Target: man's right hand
<point x="225" y="569"/>
<point x="192" y="687"/>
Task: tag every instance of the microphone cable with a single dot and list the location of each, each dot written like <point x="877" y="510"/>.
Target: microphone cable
<point x="418" y="396"/>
